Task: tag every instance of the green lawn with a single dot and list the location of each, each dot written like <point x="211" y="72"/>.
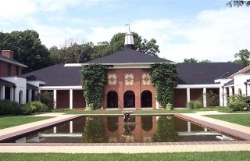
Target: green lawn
<point x="9" y="121"/>
<point x="208" y="156"/>
<point x="242" y="119"/>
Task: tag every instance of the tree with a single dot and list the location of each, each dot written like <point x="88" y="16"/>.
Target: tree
<point x="244" y="55"/>
<point x="74" y="52"/>
<point x="238" y="3"/>
<point x="205" y="61"/>
<point x="27" y="48"/>
<point x="117" y="44"/>
<point x="55" y="57"/>
<point x="101" y="49"/>
<point x="191" y="60"/>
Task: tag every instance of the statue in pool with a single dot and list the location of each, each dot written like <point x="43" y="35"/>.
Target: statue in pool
<point x="126" y="117"/>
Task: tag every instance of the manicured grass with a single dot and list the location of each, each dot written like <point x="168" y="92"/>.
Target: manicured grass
<point x="9" y="121"/>
<point x="208" y="156"/>
<point x="242" y="119"/>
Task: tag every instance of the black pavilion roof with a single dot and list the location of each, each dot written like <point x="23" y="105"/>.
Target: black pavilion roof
<point x="204" y="73"/>
<point x="129" y="56"/>
<point x="57" y="75"/>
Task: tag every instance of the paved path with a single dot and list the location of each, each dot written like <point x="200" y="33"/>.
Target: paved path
<point x="124" y="148"/>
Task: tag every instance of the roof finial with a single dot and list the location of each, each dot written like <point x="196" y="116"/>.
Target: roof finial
<point x="128" y="25"/>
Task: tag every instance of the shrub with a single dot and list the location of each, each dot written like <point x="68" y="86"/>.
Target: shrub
<point x="34" y="107"/>
<point x="9" y="108"/>
<point x="195" y="104"/>
<point x="237" y="105"/>
<point x="212" y="99"/>
<point x="46" y="98"/>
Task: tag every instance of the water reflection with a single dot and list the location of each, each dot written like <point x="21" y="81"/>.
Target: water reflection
<point x="112" y="129"/>
<point x="165" y="130"/>
<point x="94" y="131"/>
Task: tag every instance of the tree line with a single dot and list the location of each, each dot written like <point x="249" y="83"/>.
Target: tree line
<point x="30" y="51"/>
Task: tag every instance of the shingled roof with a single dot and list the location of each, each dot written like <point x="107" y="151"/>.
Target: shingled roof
<point x="57" y="75"/>
<point x="204" y="73"/>
<point x="12" y="61"/>
<point x="129" y="56"/>
<point x="6" y="83"/>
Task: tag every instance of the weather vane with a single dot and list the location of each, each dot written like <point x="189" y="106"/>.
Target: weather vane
<point x="128" y="25"/>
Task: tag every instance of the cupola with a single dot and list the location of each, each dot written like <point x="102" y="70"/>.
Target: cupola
<point x="129" y="41"/>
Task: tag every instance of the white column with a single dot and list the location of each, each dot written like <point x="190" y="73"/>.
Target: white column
<point x="204" y="97"/>
<point x="71" y="127"/>
<point x="2" y="93"/>
<point x="225" y="97"/>
<point x="29" y="95"/>
<point x="189" y="126"/>
<point x="55" y="100"/>
<point x="12" y="94"/>
<point x="230" y="91"/>
<point x="71" y="99"/>
<point x="221" y="96"/>
<point x="157" y="105"/>
<point x="247" y="94"/>
<point x="188" y="95"/>
<point x="54" y="130"/>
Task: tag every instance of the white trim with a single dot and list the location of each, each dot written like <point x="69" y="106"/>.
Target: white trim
<point x="71" y="98"/>
<point x="73" y="65"/>
<point x="198" y="86"/>
<point x="55" y="100"/>
<point x="131" y="66"/>
<point x="204" y="97"/>
<point x="122" y="64"/>
<point x="188" y="94"/>
<point x="60" y="87"/>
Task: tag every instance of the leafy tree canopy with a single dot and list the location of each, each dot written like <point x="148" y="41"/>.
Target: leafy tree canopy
<point x="117" y="44"/>
<point x="193" y="60"/>
<point x="27" y="48"/>
<point x="243" y="56"/>
<point x="238" y="3"/>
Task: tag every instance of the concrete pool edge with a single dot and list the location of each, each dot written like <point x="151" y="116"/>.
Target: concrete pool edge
<point x="127" y="147"/>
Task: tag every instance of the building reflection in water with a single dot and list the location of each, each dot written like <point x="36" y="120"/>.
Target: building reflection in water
<point x="112" y="129"/>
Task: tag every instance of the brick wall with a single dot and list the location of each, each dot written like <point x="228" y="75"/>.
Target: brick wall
<point x="195" y="93"/>
<point x="4" y="69"/>
<point x="78" y="99"/>
<point x="180" y="97"/>
<point x="62" y="99"/>
<point x="121" y="88"/>
<point x="8" y="53"/>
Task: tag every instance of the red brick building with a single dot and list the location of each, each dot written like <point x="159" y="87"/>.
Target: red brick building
<point x="129" y="83"/>
<point x="12" y="86"/>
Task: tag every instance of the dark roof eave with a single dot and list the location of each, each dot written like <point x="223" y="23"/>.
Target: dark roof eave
<point x="13" y="62"/>
<point x="130" y="63"/>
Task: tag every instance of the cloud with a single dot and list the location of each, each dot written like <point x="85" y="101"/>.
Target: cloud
<point x="211" y="34"/>
<point x="13" y="11"/>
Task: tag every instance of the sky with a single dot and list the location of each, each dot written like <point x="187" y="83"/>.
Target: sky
<point x="200" y="29"/>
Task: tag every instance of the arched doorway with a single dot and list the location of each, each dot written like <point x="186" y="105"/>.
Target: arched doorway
<point x="129" y="99"/>
<point x="112" y="99"/>
<point x="20" y="97"/>
<point x="146" y="99"/>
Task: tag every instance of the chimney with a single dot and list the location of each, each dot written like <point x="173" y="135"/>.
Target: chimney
<point x="8" y="53"/>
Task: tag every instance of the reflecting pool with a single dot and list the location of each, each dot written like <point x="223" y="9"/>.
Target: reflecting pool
<point x="113" y="129"/>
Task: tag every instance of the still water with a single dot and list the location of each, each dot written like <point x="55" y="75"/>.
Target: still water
<point x="112" y="129"/>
